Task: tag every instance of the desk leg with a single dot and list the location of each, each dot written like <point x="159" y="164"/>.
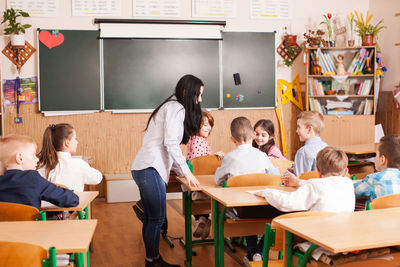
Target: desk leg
<point x="288" y="251"/>
<point x="216" y="237"/>
<point x="188" y="227"/>
<point x="221" y="240"/>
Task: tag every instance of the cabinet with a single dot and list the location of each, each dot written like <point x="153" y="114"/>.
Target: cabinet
<point x="347" y="101"/>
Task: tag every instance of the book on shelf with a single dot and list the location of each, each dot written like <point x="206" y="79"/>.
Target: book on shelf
<point x="353" y="62"/>
<point x="329" y="59"/>
<point x="331" y="104"/>
<point x="315" y="105"/>
<point x="322" y="61"/>
<point x="361" y="107"/>
<point x="369" y="104"/>
<point x="315" y="87"/>
<point x="365" y="87"/>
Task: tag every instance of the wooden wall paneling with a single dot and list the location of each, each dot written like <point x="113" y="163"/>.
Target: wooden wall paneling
<point x="112" y="140"/>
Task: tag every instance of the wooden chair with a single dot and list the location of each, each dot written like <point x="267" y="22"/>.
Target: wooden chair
<point x="254" y="179"/>
<point x="273" y="239"/>
<point x="17" y="212"/>
<point x="389" y="201"/>
<point x="281" y="164"/>
<point x="26" y="255"/>
<point x="205" y="164"/>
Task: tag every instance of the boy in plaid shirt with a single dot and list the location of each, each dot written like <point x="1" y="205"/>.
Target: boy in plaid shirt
<point x="387" y="162"/>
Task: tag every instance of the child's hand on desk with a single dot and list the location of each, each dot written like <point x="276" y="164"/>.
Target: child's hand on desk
<point x="220" y="155"/>
<point x="289" y="179"/>
<point x="191" y="180"/>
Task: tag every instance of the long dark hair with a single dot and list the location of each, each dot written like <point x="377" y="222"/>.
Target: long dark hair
<point x="187" y="91"/>
<point x="53" y="140"/>
<point x="268" y="126"/>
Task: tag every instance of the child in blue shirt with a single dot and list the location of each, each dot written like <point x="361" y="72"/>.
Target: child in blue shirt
<point x="387" y="162"/>
<point x="21" y="183"/>
<point x="309" y="126"/>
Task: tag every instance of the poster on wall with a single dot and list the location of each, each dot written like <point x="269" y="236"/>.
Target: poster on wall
<point x="42" y="8"/>
<point x="156" y="8"/>
<point x="214" y="8"/>
<point x="271" y="9"/>
<point x="28" y="94"/>
<point x="91" y="8"/>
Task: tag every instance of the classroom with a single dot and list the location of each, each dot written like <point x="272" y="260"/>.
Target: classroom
<point x="248" y="82"/>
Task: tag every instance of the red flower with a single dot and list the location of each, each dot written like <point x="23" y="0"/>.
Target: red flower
<point x="329" y="15"/>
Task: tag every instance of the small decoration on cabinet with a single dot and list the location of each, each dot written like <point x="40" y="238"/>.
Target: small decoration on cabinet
<point x="328" y="23"/>
<point x="316" y="68"/>
<point x="380" y="71"/>
<point x="351" y="41"/>
<point x="367" y="31"/>
<point x="14" y="28"/>
<point x="314" y="39"/>
<point x="339" y="29"/>
<point x="340" y="66"/>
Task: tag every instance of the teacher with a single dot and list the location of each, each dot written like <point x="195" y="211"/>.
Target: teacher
<point x="170" y="124"/>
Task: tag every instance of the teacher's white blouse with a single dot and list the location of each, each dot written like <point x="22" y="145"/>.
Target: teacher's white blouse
<point x="160" y="148"/>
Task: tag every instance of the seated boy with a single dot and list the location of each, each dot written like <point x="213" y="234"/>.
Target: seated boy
<point x="21" y="183"/>
<point x="333" y="192"/>
<point x="309" y="126"/>
<point x="245" y="159"/>
<point x="387" y="162"/>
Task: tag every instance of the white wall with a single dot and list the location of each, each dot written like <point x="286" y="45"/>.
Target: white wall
<point x="306" y="14"/>
<point x="387" y="38"/>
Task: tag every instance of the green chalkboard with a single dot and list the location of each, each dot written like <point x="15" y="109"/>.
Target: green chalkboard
<point x="252" y="56"/>
<point x="69" y="74"/>
<point x="141" y="73"/>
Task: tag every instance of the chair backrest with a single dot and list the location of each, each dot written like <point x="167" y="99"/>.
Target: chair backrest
<point x="279" y="231"/>
<point x="309" y="175"/>
<point x="205" y="165"/>
<point x="389" y="201"/>
<point x="17" y="212"/>
<point x="254" y="179"/>
<point x="282" y="164"/>
<point x="21" y="254"/>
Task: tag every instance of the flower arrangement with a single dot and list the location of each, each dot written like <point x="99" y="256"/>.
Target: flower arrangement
<point x="365" y="28"/>
<point x="328" y="24"/>
<point x="351" y="23"/>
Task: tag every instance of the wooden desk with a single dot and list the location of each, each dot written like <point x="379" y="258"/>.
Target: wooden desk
<point x="359" y="149"/>
<point x="235" y="197"/>
<point x="206" y="181"/>
<point x="344" y="232"/>
<point x="85" y="198"/>
<point x="69" y="236"/>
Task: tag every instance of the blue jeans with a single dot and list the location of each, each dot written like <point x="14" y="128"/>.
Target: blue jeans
<point x="153" y="194"/>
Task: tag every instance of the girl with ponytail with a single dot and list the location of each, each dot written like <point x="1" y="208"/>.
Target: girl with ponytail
<point x="56" y="163"/>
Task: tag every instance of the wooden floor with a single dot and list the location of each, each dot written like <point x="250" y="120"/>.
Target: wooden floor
<point x="118" y="238"/>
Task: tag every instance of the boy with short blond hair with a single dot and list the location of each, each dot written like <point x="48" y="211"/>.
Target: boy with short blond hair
<point x="21" y="183"/>
<point x="387" y="162"/>
<point x="309" y="127"/>
<point x="245" y="159"/>
<point x="333" y="192"/>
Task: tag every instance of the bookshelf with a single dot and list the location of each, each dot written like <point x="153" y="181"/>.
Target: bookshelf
<point x="347" y="102"/>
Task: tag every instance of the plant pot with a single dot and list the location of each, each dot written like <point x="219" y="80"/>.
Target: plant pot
<point x="290" y="40"/>
<point x="332" y="43"/>
<point x="368" y="40"/>
<point x="18" y="40"/>
<point x="350" y="43"/>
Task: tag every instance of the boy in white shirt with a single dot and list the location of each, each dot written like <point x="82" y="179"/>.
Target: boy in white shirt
<point x="245" y="159"/>
<point x="333" y="192"/>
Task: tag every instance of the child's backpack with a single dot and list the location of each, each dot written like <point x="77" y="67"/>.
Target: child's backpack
<point x="139" y="210"/>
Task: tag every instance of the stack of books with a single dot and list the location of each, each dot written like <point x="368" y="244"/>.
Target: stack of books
<point x="365" y="87"/>
<point x="358" y="62"/>
<point x="365" y="107"/>
<point x="339" y="108"/>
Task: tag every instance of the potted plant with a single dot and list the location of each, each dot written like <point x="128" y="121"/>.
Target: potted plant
<point x="14" y="28"/>
<point x="328" y="24"/>
<point x="367" y="31"/>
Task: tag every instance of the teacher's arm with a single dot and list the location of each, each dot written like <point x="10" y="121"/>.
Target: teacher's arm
<point x="173" y="129"/>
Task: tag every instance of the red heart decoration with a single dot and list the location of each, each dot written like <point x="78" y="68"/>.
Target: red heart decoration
<point x="51" y="40"/>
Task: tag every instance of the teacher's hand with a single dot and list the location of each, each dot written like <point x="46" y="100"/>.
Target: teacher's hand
<point x="191" y="180"/>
